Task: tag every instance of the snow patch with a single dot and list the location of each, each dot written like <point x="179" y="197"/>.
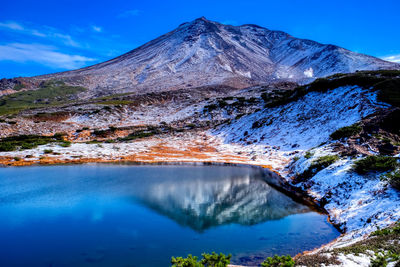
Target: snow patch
<point x="309" y="72"/>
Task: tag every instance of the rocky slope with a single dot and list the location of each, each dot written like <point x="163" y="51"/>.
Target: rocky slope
<point x="203" y="52"/>
<point x="280" y="126"/>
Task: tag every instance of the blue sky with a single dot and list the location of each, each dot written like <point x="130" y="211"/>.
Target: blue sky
<point x="38" y="37"/>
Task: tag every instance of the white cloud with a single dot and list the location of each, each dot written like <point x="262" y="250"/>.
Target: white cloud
<point x="393" y="58"/>
<point x="45" y="32"/>
<point x="11" y="26"/>
<point x="97" y="28"/>
<point x="129" y="13"/>
<point x="43" y="54"/>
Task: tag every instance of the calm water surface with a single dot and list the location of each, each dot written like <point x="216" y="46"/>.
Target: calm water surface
<point x="121" y="215"/>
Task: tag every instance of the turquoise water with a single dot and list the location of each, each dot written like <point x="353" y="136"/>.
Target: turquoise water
<point x="124" y="215"/>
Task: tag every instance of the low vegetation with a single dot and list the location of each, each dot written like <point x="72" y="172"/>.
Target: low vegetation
<point x="50" y="93"/>
<point x="308" y="155"/>
<point x="27" y="141"/>
<point x="388" y="91"/>
<point x="136" y="135"/>
<point x="345" y="132"/>
<point x="277" y="261"/>
<point x="311" y="260"/>
<point x="394" y="179"/>
<point x="375" y="163"/>
<point x="18" y="86"/>
<point x="384" y="243"/>
<point x="316" y="166"/>
<point x="208" y="260"/>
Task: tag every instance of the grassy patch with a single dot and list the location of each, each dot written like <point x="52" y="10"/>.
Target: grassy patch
<point x="375" y="163"/>
<point x="346" y="132"/>
<point x="316" y="166"/>
<point x="22" y="142"/>
<point x="50" y="93"/>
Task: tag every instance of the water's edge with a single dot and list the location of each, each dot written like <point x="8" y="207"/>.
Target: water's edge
<point x="271" y="177"/>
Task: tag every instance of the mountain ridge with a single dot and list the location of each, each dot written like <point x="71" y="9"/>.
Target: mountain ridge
<point x="207" y="53"/>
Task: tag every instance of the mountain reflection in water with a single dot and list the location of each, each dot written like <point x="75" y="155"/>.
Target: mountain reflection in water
<point x="123" y="215"/>
<point x="203" y="202"/>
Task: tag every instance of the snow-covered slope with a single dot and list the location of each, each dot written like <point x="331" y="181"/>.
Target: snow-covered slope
<point x="358" y="203"/>
<point x="305" y="123"/>
<point x="204" y="52"/>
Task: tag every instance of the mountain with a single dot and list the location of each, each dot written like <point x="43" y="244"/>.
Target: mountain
<point x="203" y="53"/>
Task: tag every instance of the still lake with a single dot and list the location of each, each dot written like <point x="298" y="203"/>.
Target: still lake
<point x="126" y="215"/>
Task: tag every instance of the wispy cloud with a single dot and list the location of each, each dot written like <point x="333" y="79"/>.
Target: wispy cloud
<point x="12" y="26"/>
<point x="129" y="13"/>
<point x="393" y="58"/>
<point x="43" y="32"/>
<point x="97" y="28"/>
<point x="42" y="54"/>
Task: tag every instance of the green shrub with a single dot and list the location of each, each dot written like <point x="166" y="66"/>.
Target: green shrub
<point x="346" y="132"/>
<point x="389" y="91"/>
<point x="26" y="142"/>
<point x="190" y="261"/>
<point x="215" y="260"/>
<point x="210" y="108"/>
<point x="308" y="155"/>
<point x="375" y="163"/>
<point x="17" y="158"/>
<point x="388" y="231"/>
<point x="7" y="146"/>
<point x="379" y="261"/>
<point x="65" y="144"/>
<point x="47" y="151"/>
<point x="59" y="136"/>
<point x="95" y="141"/>
<point x="208" y="260"/>
<point x="277" y="261"/>
<point x="136" y="135"/>
<point x="394" y="179"/>
<point x="316" y="166"/>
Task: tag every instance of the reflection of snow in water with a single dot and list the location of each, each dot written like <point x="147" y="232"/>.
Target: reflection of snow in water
<point x="204" y="202"/>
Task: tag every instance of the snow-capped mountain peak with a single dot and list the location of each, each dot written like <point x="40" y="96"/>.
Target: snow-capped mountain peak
<point x="203" y="52"/>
